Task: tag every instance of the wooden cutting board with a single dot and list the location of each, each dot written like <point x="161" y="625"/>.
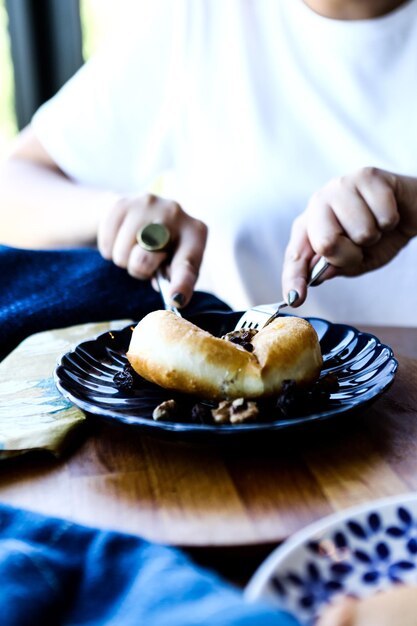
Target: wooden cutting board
<point x="115" y="477"/>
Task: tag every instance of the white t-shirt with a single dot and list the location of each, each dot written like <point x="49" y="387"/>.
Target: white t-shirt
<point x="252" y="105"/>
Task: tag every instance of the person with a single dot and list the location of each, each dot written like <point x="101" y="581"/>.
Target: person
<point x="244" y="110"/>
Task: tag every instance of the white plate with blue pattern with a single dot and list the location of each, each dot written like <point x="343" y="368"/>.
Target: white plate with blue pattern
<point x="356" y="552"/>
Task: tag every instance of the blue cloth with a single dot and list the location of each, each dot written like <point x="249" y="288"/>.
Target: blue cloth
<point x="46" y="289"/>
<point x="53" y="572"/>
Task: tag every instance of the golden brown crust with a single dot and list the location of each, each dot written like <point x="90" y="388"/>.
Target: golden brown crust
<point x="176" y="354"/>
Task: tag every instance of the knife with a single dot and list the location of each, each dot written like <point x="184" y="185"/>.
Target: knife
<point x="163" y="286"/>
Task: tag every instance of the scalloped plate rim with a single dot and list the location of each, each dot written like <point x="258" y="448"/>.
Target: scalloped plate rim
<point x="253" y="590"/>
<point x="185" y="427"/>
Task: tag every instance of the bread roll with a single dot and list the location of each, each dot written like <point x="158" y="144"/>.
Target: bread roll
<point x="174" y="353"/>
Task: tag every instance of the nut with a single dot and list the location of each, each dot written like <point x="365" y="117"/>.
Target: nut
<point x="243" y="411"/>
<point x="221" y="414"/>
<point x="236" y="412"/>
<point x="165" y="411"/>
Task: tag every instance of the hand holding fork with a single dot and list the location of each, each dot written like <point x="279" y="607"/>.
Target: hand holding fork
<point x="259" y="316"/>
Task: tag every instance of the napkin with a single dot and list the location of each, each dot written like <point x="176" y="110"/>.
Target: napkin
<point x="45" y="289"/>
<point x="34" y="415"/>
<point x="55" y="572"/>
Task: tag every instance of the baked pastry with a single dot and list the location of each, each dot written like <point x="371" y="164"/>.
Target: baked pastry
<point x="174" y="353"/>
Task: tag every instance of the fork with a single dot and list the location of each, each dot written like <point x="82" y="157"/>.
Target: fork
<point x="163" y="286"/>
<point x="259" y="316"/>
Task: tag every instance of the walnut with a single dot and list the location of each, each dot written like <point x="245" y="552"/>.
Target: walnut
<point x="221" y="414"/>
<point x="235" y="412"/>
<point x="243" y="411"/>
<point x="165" y="411"/>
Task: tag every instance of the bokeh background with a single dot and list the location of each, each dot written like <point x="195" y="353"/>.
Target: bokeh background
<point x="97" y="18"/>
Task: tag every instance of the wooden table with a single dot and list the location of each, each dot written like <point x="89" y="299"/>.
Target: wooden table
<point x="230" y="506"/>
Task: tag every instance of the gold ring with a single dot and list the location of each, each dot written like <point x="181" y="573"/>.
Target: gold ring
<point x="153" y="237"/>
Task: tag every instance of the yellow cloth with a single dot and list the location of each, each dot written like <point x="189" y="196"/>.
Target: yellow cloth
<point x="33" y="413"/>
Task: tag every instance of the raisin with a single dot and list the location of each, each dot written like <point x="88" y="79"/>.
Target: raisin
<point x="329" y="383"/>
<point x="166" y="411"/>
<point x="201" y="414"/>
<point x="293" y="400"/>
<point x="288" y="385"/>
<point x="248" y="335"/>
<point x="248" y="346"/>
<point x="123" y="380"/>
<point x="127" y="379"/>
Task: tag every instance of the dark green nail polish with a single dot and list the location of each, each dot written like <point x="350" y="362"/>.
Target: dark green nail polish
<point x="178" y="299"/>
<point x="292" y="297"/>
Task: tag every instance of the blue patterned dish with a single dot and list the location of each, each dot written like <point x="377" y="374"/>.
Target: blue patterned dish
<point x="356" y="552"/>
<point x="364" y="367"/>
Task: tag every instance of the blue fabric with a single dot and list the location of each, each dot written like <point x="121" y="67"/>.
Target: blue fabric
<point x="46" y="289"/>
<point x="55" y="572"/>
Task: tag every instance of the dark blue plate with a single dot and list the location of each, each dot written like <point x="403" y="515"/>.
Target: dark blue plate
<point x="364" y="367"/>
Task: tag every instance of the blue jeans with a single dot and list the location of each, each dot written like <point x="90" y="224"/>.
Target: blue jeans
<point x="53" y="572"/>
<point x="45" y="289"/>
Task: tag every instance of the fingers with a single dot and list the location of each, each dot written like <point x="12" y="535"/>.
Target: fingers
<point x="327" y="235"/>
<point x="297" y="262"/>
<point x="117" y="236"/>
<point x="117" y="242"/>
<point x="142" y="264"/>
<point x="109" y="227"/>
<point x="363" y="204"/>
<point x="406" y="196"/>
<point x="347" y="222"/>
<point x="186" y="261"/>
<point x="342" y="613"/>
<point x="344" y="213"/>
<point x="360" y="207"/>
<point x="377" y="189"/>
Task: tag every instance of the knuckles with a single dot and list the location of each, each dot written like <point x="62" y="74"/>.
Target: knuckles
<point x="169" y="211"/>
<point x="327" y="246"/>
<point x="123" y="206"/>
<point x="369" y="173"/>
<point x="132" y="212"/>
<point x="173" y="211"/>
<point x="150" y="199"/>
<point x="201" y="229"/>
<point x="366" y="236"/>
<point x="360" y="178"/>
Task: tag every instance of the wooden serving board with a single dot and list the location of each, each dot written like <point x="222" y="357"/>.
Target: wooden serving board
<point x="190" y="495"/>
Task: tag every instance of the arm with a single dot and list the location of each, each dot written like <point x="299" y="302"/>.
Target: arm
<point x="357" y="222"/>
<point x="42" y="207"/>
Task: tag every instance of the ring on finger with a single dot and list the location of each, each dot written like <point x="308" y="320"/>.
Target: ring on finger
<point x="153" y="237"/>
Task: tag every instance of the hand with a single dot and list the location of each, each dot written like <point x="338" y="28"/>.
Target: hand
<point x="357" y="222"/>
<point x="117" y="241"/>
<point x="395" y="607"/>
